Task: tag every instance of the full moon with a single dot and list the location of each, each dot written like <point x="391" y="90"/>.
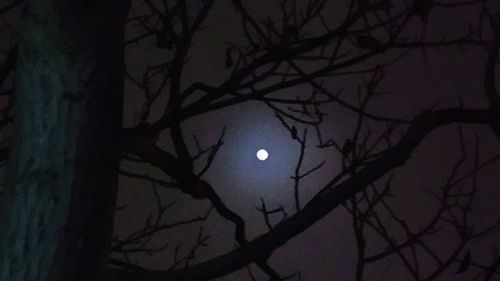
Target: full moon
<point x="262" y="154"/>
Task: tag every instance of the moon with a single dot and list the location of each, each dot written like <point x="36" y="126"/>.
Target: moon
<point x="262" y="154"/>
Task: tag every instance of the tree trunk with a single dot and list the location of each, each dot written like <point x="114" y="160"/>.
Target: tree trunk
<point x="56" y="212"/>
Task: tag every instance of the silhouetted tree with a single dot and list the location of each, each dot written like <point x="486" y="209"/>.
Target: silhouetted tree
<point x="57" y="210"/>
<point x="64" y="74"/>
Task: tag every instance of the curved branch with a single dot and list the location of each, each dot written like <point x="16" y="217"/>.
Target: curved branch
<point x="322" y="204"/>
<point x="142" y="142"/>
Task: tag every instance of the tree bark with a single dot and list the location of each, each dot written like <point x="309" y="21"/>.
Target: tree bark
<point x="56" y="213"/>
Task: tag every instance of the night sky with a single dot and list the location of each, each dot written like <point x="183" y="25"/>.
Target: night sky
<point x="326" y="251"/>
<point x="416" y="81"/>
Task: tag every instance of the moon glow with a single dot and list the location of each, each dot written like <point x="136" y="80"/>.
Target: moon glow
<point x="262" y="154"/>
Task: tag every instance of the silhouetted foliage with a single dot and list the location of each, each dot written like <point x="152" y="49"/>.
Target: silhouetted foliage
<point x="295" y="58"/>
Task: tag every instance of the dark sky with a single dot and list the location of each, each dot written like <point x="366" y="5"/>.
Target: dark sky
<point x="325" y="251"/>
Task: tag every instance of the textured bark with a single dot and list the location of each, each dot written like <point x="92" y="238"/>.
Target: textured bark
<point x="56" y="213"/>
